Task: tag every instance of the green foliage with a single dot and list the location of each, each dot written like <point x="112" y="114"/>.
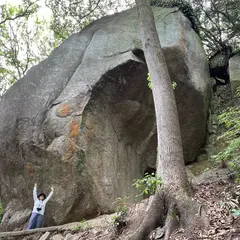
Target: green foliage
<point x="148" y="184"/>
<point x="174" y="84"/>
<point x="216" y="105"/>
<point x="24" y="42"/>
<point x="70" y="16"/>
<point x="230" y="119"/>
<point x="149" y="81"/>
<point x="235" y="211"/>
<point x="1" y="211"/>
<point x="238" y="92"/>
<point x="119" y="220"/>
<point x="83" y="225"/>
<point x="27" y="37"/>
<point x="24" y="10"/>
<point x="184" y="6"/>
<point x="121" y="204"/>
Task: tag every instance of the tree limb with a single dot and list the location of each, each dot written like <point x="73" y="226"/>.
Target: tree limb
<point x="27" y="12"/>
<point x="223" y="13"/>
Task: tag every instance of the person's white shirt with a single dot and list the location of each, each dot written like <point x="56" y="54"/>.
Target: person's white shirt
<point x="39" y="205"/>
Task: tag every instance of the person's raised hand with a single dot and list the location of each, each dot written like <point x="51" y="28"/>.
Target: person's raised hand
<point x="52" y="189"/>
<point x="35" y="185"/>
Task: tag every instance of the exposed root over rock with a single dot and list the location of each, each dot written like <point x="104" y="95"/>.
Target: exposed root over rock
<point x="170" y="213"/>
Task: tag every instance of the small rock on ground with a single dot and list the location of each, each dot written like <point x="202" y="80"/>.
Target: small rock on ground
<point x="57" y="237"/>
<point x="45" y="236"/>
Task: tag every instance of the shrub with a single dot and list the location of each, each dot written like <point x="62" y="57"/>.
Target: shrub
<point x="148" y="184"/>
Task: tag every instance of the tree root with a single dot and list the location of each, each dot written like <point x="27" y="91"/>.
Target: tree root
<point x="153" y="218"/>
<point x="181" y="212"/>
<point x="172" y="221"/>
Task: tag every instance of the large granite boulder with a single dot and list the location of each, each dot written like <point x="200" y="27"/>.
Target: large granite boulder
<point x="83" y="120"/>
<point x="234" y="72"/>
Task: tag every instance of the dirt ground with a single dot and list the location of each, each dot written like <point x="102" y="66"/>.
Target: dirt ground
<point x="219" y="198"/>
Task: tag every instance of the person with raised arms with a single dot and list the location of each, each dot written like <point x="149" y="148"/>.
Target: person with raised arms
<point x="38" y="211"/>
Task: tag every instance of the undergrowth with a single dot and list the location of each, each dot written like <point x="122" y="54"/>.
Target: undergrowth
<point x="83" y="225"/>
<point x="119" y="220"/>
<point x="230" y="120"/>
<point x="231" y="201"/>
<point x="146" y="187"/>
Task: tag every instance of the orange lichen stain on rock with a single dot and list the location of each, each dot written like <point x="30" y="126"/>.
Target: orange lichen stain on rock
<point x="64" y="110"/>
<point x="74" y="128"/>
<point x="30" y="169"/>
<point x="73" y="134"/>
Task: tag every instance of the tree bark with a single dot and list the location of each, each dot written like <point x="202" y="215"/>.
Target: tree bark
<point x="175" y="192"/>
<point x="170" y="164"/>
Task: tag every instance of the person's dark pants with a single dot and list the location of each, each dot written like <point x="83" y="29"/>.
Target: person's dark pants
<point x="35" y="221"/>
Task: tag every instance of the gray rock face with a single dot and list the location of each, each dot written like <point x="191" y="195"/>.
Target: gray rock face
<point x="13" y="219"/>
<point x="83" y="120"/>
<point x="234" y="72"/>
<point x="19" y="218"/>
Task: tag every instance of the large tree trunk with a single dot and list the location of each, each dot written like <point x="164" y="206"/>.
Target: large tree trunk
<point x="173" y="196"/>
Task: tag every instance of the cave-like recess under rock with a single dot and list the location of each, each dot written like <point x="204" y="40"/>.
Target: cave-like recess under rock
<point x="83" y="119"/>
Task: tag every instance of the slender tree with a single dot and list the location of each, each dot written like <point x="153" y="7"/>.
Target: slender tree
<point x="174" y="196"/>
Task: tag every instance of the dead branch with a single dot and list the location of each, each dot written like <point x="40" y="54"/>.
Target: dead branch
<point x="32" y="231"/>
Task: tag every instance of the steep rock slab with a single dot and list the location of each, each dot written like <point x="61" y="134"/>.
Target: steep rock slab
<point x="234" y="72"/>
<point x="83" y="119"/>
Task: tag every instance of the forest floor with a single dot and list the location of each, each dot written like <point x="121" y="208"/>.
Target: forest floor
<point x="222" y="201"/>
<point x="221" y="197"/>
